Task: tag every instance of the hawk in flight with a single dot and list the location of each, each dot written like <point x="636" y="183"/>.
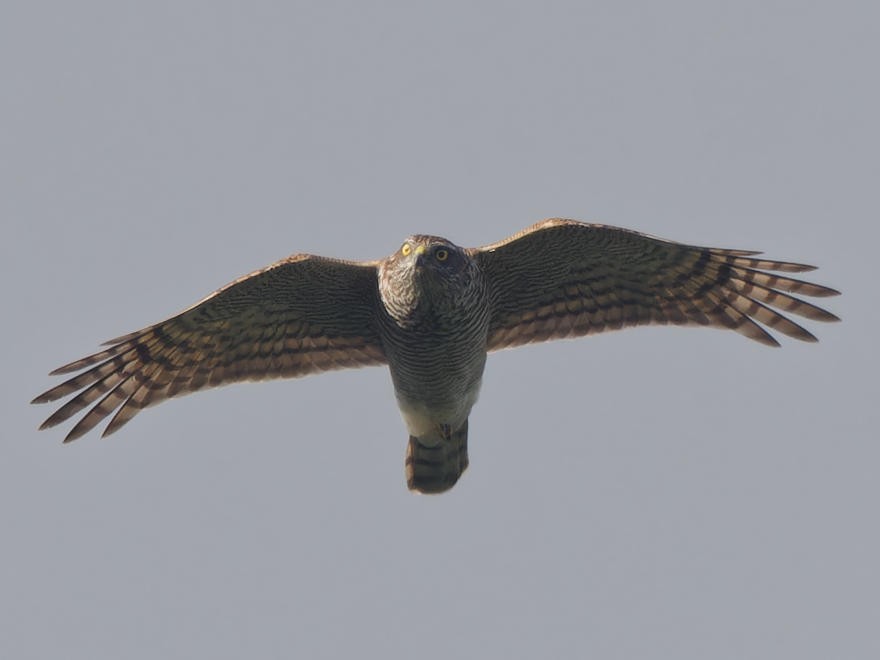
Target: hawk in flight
<point x="431" y="311"/>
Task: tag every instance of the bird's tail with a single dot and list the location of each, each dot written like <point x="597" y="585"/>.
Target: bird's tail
<point x="434" y="467"/>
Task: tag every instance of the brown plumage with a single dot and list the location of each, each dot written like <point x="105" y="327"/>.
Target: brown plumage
<point x="563" y="278"/>
<point x="431" y="311"/>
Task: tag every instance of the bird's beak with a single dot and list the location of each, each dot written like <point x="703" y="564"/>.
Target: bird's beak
<point x="419" y="253"/>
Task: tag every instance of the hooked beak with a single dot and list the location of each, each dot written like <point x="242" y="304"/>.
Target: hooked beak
<point x="419" y="254"/>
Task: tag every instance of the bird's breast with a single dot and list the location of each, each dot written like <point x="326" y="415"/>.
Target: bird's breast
<point x="437" y="366"/>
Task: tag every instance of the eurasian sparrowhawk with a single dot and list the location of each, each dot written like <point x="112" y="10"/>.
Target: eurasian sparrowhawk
<point x="431" y="311"/>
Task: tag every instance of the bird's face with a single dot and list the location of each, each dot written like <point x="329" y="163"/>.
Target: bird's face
<point x="425" y="272"/>
<point x="431" y="259"/>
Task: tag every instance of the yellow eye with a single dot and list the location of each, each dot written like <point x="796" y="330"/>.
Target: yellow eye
<point x="442" y="254"/>
<point x="405" y="249"/>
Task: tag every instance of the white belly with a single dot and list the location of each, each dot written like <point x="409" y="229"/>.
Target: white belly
<point x="424" y="420"/>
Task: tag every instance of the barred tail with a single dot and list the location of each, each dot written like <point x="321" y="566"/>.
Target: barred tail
<point x="435" y="467"/>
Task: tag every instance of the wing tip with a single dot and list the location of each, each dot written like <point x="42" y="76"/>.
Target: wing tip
<point x="827" y="292"/>
<point x="804" y="268"/>
<point x="75" y="434"/>
<point x="828" y="317"/>
<point x="48" y="424"/>
<point x="70" y="367"/>
<point x="806" y="336"/>
<point x="767" y="340"/>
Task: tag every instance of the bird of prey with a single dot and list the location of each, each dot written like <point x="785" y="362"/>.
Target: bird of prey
<point x="431" y="311"/>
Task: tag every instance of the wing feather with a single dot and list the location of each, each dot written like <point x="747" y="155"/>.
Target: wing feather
<point x="562" y="278"/>
<point x="302" y="315"/>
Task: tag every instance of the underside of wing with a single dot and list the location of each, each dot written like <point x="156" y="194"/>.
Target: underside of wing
<point x="563" y="278"/>
<point x="302" y="315"/>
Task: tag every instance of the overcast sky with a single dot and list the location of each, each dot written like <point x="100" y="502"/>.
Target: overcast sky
<point x="652" y="493"/>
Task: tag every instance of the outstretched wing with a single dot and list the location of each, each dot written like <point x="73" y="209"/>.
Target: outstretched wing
<point x="301" y="315"/>
<point x="563" y="278"/>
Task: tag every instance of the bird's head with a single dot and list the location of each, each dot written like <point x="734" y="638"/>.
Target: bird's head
<point x="431" y="259"/>
<point x="426" y="271"/>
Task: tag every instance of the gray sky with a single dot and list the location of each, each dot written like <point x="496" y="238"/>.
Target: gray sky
<point x="650" y="493"/>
